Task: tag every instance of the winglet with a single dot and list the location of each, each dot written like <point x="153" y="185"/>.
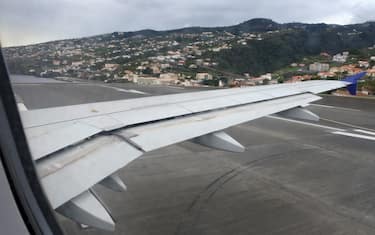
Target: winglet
<point x="352" y="87"/>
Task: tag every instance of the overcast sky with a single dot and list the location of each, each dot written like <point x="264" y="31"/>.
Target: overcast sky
<point x="31" y="21"/>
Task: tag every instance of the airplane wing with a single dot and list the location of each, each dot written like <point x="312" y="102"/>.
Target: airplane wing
<point x="76" y="147"/>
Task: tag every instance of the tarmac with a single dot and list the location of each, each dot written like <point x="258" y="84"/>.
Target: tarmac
<point x="295" y="177"/>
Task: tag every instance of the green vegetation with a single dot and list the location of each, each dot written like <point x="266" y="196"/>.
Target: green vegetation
<point x="281" y="49"/>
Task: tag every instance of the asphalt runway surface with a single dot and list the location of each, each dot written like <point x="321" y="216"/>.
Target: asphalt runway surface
<point x="295" y="177"/>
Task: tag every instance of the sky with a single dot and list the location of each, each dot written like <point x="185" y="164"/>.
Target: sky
<point x="32" y="21"/>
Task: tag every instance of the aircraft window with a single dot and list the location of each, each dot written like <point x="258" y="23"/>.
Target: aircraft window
<point x="30" y="213"/>
<point x="194" y="117"/>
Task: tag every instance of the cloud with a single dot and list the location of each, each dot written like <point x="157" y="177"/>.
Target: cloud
<point x="31" y="21"/>
<point x="363" y="11"/>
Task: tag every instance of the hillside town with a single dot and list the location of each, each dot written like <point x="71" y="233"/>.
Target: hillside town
<point x="181" y="59"/>
<point x="175" y="59"/>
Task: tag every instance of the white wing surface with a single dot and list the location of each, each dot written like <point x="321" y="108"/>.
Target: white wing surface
<point x="76" y="147"/>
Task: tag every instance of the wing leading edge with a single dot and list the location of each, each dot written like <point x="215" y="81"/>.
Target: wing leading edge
<point x="76" y="147"/>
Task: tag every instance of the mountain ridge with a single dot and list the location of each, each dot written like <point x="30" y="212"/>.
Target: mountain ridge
<point x="252" y="25"/>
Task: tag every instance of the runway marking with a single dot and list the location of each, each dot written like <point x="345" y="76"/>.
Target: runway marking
<point x="346" y="124"/>
<point x="125" y="90"/>
<point x="365" y="132"/>
<point x="334" y="107"/>
<point x="86" y="84"/>
<point x="307" y="123"/>
<point x="138" y="92"/>
<point x="354" y="135"/>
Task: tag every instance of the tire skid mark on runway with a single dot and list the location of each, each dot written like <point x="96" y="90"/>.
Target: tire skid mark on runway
<point x="360" y="217"/>
<point x="193" y="212"/>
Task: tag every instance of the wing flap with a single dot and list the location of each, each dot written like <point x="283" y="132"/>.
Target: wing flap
<point x="51" y="138"/>
<point x="68" y="173"/>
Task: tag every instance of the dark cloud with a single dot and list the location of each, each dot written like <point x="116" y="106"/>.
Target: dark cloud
<point x="31" y="21"/>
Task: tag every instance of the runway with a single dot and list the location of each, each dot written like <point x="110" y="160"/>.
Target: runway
<point x="60" y="93"/>
<point x="294" y="177"/>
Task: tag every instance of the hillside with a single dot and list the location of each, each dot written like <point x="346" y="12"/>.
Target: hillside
<point x="287" y="46"/>
<point x="256" y="46"/>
